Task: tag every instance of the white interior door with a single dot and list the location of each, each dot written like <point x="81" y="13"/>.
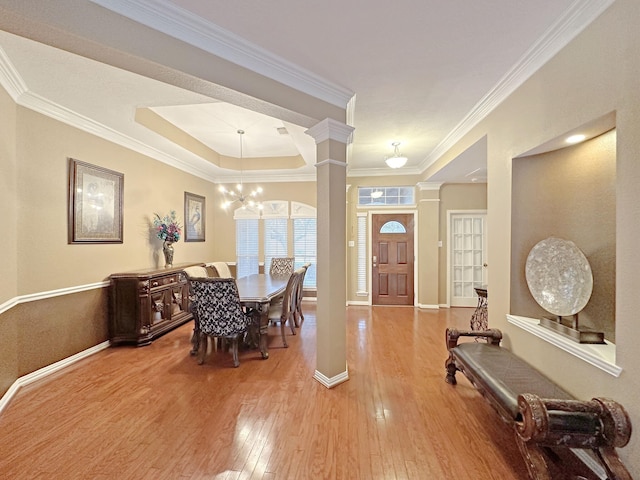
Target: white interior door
<point x="467" y="257"/>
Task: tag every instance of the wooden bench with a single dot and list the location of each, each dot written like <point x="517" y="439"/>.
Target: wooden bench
<point x="558" y="436"/>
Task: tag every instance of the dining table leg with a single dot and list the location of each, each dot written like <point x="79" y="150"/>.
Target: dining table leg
<point x="263" y="322"/>
<point x="257" y="335"/>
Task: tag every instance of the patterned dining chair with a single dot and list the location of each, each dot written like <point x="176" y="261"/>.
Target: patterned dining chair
<point x="283" y="311"/>
<point x="193" y="272"/>
<point x="216" y="305"/>
<point x="281" y="266"/>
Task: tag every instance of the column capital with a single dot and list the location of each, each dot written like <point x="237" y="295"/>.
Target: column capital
<point x="429" y="185"/>
<point x="330" y="129"/>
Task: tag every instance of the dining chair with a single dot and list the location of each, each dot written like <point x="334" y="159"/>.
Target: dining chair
<point x="216" y="305"/>
<point x="193" y="272"/>
<point x="222" y="268"/>
<point x="196" y="271"/>
<point x="281" y="266"/>
<point x="298" y="316"/>
<point x="283" y="312"/>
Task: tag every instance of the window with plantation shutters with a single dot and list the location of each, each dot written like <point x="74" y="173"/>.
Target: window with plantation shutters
<point x="304" y="247"/>
<point x="275" y="215"/>
<point x="362" y="255"/>
<point x="275" y="240"/>
<point x="305" y="240"/>
<point x="246" y="246"/>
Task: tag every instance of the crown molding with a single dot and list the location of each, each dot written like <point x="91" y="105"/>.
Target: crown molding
<point x="179" y="23"/>
<point x="383" y="171"/>
<point x="555" y="38"/>
<point x="62" y="114"/>
<point x="12" y="82"/>
<point x="429" y="186"/>
<point x="10" y="79"/>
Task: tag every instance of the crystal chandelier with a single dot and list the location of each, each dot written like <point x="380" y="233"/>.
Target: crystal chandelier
<point x="396" y="160"/>
<point x="237" y="195"/>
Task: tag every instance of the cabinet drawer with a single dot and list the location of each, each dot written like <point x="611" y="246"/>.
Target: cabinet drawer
<point x="163" y="281"/>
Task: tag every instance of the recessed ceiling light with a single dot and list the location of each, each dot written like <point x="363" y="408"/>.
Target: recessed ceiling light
<point x="575" y="138"/>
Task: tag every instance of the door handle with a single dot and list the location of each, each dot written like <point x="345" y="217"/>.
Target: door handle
<point x="375" y="260"/>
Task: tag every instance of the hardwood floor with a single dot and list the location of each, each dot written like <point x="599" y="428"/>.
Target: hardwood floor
<point x="153" y="412"/>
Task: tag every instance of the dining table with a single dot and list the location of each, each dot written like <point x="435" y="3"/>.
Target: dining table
<point x="256" y="292"/>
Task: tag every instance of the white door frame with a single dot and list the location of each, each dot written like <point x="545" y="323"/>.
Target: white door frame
<point x="450" y="213"/>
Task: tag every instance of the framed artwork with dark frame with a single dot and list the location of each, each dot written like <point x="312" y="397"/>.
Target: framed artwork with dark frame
<point x="95" y="204"/>
<point x="194" y="217"/>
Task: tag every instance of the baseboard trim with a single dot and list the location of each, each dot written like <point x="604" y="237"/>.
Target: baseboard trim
<point x="427" y="306"/>
<point x="48" y="370"/>
<point x="333" y="381"/>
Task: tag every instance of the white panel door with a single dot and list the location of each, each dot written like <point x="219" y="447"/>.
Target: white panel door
<point x="468" y="257"/>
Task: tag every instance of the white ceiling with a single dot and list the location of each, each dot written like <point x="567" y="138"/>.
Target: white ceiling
<point x="420" y="73"/>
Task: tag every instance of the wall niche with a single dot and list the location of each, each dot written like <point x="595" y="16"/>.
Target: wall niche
<point x="568" y="193"/>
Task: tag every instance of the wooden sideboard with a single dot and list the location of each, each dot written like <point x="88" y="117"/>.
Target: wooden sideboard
<point x="147" y="303"/>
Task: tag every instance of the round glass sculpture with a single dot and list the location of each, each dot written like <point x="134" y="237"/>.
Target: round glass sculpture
<point x="559" y="276"/>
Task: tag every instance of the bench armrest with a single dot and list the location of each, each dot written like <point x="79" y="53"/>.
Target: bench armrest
<point x="599" y="422"/>
<point x="492" y="335"/>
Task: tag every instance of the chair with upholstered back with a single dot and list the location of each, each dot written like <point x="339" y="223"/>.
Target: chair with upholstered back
<point x="298" y="317"/>
<point x="281" y="266"/>
<point x="284" y="311"/>
<point x="195" y="271"/>
<point x="219" y="312"/>
<point x="222" y="268"/>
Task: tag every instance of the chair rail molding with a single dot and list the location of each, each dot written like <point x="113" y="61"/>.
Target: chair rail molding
<point x="31" y="297"/>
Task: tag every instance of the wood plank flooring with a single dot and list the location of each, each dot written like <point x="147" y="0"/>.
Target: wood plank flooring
<point x="153" y="413"/>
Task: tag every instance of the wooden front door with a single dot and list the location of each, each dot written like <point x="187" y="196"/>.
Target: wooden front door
<point x="392" y="259"/>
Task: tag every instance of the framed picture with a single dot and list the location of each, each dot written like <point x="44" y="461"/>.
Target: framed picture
<point x="95" y="204"/>
<point x="194" y="217"/>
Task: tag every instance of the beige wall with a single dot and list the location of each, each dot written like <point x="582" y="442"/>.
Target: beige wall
<point x="8" y="197"/>
<point x="570" y="194"/>
<point x="595" y="74"/>
<point x="46" y="260"/>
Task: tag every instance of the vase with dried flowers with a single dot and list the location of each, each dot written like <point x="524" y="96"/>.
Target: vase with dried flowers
<point x="168" y="229"/>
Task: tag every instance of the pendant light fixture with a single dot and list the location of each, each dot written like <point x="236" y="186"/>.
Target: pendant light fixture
<point x="396" y="160"/>
<point x="237" y="195"/>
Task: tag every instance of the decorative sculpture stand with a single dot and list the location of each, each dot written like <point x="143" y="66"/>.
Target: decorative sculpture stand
<point x="480" y="317"/>
<point x="559" y="324"/>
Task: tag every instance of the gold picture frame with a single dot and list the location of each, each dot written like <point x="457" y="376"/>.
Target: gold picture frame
<point x="95" y="204"/>
<point x="194" y="217"/>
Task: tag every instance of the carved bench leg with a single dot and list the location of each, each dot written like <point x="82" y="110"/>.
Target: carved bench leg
<point x="534" y="459"/>
<point x="612" y="464"/>
<point x="450" y="366"/>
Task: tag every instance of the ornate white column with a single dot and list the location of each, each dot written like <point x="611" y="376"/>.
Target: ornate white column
<point x="332" y="138"/>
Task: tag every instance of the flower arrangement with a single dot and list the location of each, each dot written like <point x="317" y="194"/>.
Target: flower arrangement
<point x="167" y="228"/>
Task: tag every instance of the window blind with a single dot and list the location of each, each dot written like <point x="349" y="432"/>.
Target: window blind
<point x="275" y="240"/>
<point x="362" y="255"/>
<point x="305" y="247"/>
<point x="246" y="247"/>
